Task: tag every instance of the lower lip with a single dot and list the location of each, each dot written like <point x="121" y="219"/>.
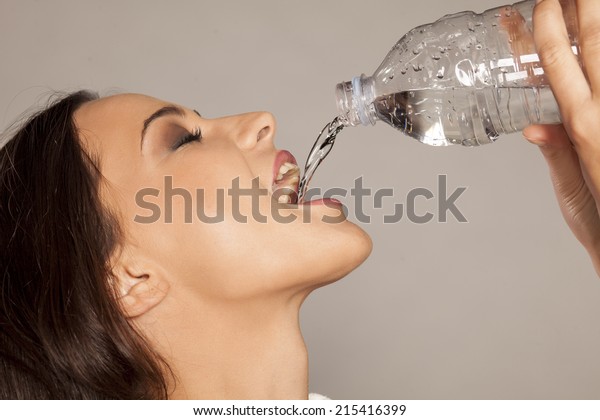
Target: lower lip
<point x="329" y="202"/>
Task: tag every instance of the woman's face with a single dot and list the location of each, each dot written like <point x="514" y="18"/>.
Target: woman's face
<point x="164" y="182"/>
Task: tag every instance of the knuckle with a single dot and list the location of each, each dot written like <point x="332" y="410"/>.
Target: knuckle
<point x="582" y="125"/>
<point x="552" y="54"/>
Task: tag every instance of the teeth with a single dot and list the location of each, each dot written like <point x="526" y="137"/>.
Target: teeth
<point x="284" y="199"/>
<point x="290" y="165"/>
<point x="286" y="167"/>
<point x="291" y="173"/>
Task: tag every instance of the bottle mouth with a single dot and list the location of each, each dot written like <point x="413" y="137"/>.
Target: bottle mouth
<point x="355" y="101"/>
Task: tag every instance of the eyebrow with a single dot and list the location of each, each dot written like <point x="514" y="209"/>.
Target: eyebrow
<point x="164" y="111"/>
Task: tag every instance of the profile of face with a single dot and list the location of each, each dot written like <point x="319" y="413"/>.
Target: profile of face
<point x="147" y="145"/>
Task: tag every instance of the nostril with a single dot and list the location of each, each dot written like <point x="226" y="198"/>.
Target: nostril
<point x="264" y="132"/>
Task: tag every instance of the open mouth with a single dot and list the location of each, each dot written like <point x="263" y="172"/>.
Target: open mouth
<point x="286" y="177"/>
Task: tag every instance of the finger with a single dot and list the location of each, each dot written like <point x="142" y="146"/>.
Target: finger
<point x="561" y="157"/>
<point x="548" y="136"/>
<point x="569" y="176"/>
<point x="521" y="42"/>
<point x="560" y="64"/>
<point x="588" y="15"/>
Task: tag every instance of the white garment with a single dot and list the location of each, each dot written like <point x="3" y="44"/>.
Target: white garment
<point x="313" y="396"/>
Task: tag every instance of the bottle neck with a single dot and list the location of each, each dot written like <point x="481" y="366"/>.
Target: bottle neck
<point x="355" y="101"/>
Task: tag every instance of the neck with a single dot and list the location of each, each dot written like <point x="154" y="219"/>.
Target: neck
<point x="234" y="350"/>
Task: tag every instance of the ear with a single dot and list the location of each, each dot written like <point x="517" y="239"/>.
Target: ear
<point x="139" y="290"/>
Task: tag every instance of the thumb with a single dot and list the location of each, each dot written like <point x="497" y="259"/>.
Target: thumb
<point x="556" y="146"/>
<point x="561" y="157"/>
<point x="553" y="136"/>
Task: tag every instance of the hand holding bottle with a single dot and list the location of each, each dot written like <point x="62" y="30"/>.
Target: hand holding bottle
<point x="572" y="149"/>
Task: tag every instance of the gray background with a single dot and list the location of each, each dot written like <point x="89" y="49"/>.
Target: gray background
<point x="504" y="306"/>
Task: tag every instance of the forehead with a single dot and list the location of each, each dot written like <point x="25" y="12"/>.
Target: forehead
<point x="114" y="118"/>
<point x="111" y="127"/>
<point x="124" y="110"/>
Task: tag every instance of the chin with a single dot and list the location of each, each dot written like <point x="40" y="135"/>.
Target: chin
<point x="359" y="246"/>
<point x="355" y="247"/>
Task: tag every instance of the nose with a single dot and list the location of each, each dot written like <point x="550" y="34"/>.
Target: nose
<point x="253" y="128"/>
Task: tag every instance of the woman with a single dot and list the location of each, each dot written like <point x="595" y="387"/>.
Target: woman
<point x="100" y="301"/>
<point x="113" y="288"/>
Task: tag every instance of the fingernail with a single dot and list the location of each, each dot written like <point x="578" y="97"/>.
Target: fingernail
<point x="533" y="141"/>
<point x="534" y="138"/>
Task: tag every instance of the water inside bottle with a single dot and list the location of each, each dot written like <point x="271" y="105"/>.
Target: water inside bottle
<point x="319" y="152"/>
<point x="467" y="115"/>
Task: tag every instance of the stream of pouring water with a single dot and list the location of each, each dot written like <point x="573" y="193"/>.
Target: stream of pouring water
<point x="318" y="153"/>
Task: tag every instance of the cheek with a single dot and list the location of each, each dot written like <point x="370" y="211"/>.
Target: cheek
<point x="219" y="259"/>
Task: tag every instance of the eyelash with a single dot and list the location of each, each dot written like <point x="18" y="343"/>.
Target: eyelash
<point x="196" y="135"/>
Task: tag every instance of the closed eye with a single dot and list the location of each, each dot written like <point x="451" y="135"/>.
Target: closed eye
<point x="196" y="135"/>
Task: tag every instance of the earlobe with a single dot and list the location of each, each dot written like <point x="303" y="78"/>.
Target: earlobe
<point x="143" y="296"/>
<point x="139" y="293"/>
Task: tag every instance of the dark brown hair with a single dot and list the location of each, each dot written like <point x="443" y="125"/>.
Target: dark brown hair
<point x="62" y="334"/>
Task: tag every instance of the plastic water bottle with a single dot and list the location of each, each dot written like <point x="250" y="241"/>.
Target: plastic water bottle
<point x="464" y="79"/>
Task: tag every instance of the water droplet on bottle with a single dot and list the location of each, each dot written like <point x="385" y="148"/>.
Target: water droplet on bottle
<point x="440" y="73"/>
<point x="417" y="67"/>
<point x="471" y="26"/>
<point x="416" y="51"/>
<point x="478" y="46"/>
<point x="403" y="71"/>
<point x="436" y="57"/>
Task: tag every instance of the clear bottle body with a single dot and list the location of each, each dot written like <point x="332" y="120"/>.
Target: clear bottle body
<point x="465" y="79"/>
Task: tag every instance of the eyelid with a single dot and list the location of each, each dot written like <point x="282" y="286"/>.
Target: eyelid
<point x="188" y="137"/>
